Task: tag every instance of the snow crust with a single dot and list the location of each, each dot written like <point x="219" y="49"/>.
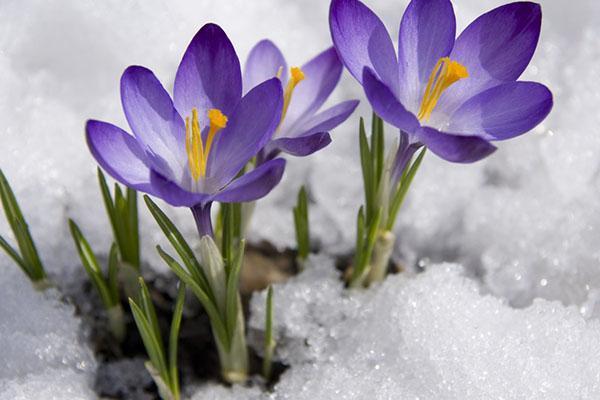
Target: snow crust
<point x="430" y="336"/>
<point x="41" y="351"/>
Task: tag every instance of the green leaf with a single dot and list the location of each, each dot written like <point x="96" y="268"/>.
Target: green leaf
<point x="360" y="268"/>
<point x="228" y="233"/>
<point x="150" y="339"/>
<point x="173" y="339"/>
<point x="133" y="225"/>
<point x="13" y="254"/>
<point x="269" y="341"/>
<point x="150" y="311"/>
<point x="28" y="252"/>
<point x="366" y="163"/>
<point x="403" y="187"/>
<point x="232" y="298"/>
<point x="301" y="224"/>
<point x="360" y="238"/>
<point x="113" y="273"/>
<point x="90" y="263"/>
<point x="377" y="150"/>
<point x="179" y="244"/>
<point x="203" y="296"/>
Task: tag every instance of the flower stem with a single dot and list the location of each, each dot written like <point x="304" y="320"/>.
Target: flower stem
<point x="380" y="258"/>
<point x="201" y="214"/>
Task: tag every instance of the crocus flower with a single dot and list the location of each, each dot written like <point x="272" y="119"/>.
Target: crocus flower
<point x="454" y="96"/>
<point x="303" y="129"/>
<point x="189" y="150"/>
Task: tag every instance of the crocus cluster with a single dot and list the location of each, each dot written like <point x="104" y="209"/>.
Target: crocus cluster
<point x="220" y="135"/>
<point x="190" y="150"/>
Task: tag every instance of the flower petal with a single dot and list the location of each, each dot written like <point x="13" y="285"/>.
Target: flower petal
<point x="263" y="63"/>
<point x="253" y="185"/>
<point x="495" y="48"/>
<point x="386" y="105"/>
<point x="359" y="35"/>
<point x="249" y="128"/>
<point x="173" y="194"/>
<point x="328" y="119"/>
<point x="427" y="33"/>
<point x="454" y="148"/>
<point x="119" y="154"/>
<point x="153" y="120"/>
<point x="322" y="75"/>
<point x="504" y="111"/>
<point x="209" y="75"/>
<point x="299" y="146"/>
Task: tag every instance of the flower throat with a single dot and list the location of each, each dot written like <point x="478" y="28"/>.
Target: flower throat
<point x="197" y="151"/>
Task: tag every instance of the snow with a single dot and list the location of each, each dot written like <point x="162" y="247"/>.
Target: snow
<point x="40" y="342"/>
<point x="430" y="336"/>
<point x="523" y="223"/>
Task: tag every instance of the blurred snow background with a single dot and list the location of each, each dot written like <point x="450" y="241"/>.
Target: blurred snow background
<point x="524" y="223"/>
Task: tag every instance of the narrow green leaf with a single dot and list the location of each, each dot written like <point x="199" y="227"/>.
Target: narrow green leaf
<point x="269" y="341"/>
<point x="301" y="224"/>
<point x="149" y="310"/>
<point x="378" y="151"/>
<point x="366" y="163"/>
<point x="179" y="244"/>
<point x="113" y="273"/>
<point x="174" y="338"/>
<point x="151" y="341"/>
<point x="106" y="196"/>
<point x="228" y="233"/>
<point x="16" y="220"/>
<point x="14" y="255"/>
<point x="360" y="238"/>
<point x="231" y="302"/>
<point x="134" y="232"/>
<point x="90" y="263"/>
<point x="361" y="267"/>
<point x="209" y="305"/>
<point x="403" y="187"/>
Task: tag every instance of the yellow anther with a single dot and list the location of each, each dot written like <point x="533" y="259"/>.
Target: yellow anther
<point x="296" y="76"/>
<point x="197" y="151"/>
<point x="217" y="118"/>
<point x="445" y="73"/>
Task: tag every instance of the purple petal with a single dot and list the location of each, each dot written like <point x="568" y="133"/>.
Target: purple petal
<point x="455" y="148"/>
<point x="427" y="33"/>
<point x="263" y="63"/>
<point x="328" y="119"/>
<point x="386" y="105"/>
<point x="173" y="194"/>
<point x="300" y="146"/>
<point x="497" y="46"/>
<point x="253" y="185"/>
<point x="119" y="154"/>
<point x="504" y="111"/>
<point x="249" y="128"/>
<point x="358" y="34"/>
<point x="209" y="75"/>
<point x="322" y="74"/>
<point x="153" y="120"/>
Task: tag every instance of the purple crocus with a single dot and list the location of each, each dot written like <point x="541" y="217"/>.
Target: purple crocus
<point x="453" y="96"/>
<point x="189" y="150"/>
<point x="303" y="129"/>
